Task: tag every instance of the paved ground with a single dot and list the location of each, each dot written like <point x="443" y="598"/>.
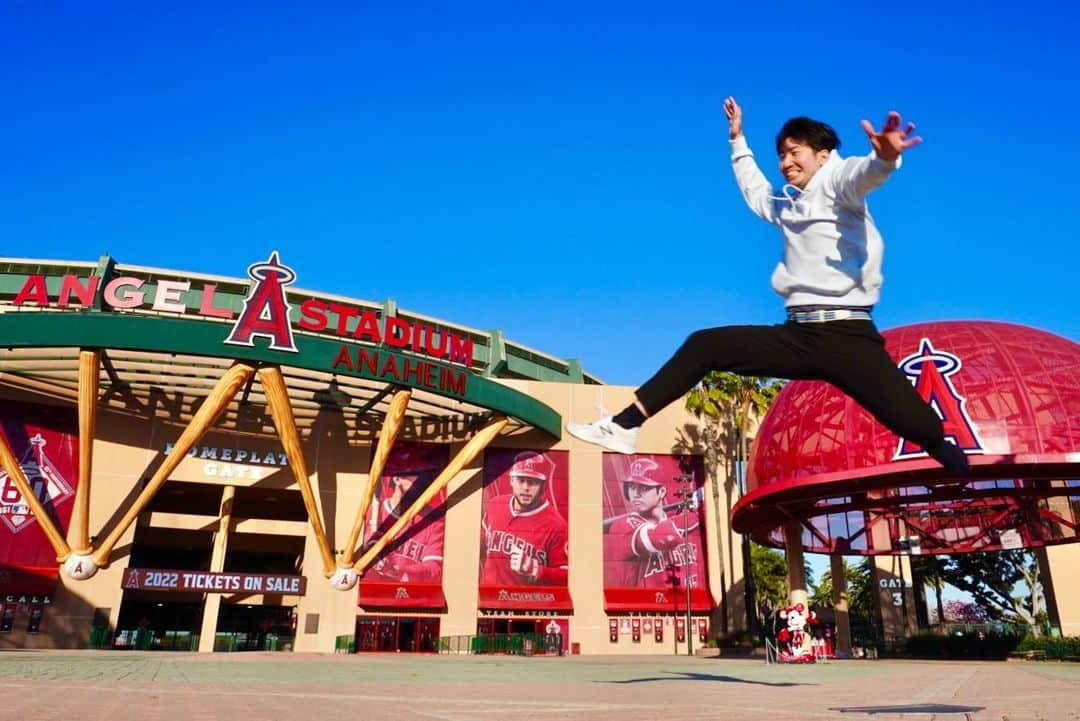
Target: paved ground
<point x="116" y="686"/>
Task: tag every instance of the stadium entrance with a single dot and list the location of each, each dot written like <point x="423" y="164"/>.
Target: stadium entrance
<point x="407" y="634"/>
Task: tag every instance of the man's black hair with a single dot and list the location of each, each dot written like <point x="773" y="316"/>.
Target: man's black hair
<point x="814" y="133"/>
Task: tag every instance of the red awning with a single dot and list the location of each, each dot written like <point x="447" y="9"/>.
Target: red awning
<point x="28" y="581"/>
<point x="530" y="598"/>
<point x="656" y="599"/>
<point x="401" y="595"/>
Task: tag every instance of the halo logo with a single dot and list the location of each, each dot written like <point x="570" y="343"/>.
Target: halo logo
<point x="50" y="487"/>
<point x="930" y="370"/>
<point x="266" y="312"/>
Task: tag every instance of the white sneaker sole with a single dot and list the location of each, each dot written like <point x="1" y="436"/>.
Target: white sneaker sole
<point x="586" y="432"/>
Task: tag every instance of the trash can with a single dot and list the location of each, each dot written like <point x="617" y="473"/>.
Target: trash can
<point x="575" y="648"/>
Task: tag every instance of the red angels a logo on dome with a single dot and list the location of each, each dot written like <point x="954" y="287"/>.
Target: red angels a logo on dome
<point x="931" y="371"/>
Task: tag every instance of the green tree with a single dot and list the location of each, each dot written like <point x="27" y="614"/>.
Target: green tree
<point x="992" y="579"/>
<point x="860" y="602"/>
<point x="729" y="402"/>
<point x="768" y="571"/>
<point x="927" y="571"/>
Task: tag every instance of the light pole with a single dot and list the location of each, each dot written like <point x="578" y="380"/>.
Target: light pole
<point x="686" y="494"/>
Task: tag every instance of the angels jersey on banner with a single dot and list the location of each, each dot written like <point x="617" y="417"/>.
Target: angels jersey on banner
<point x="45" y="443"/>
<point x="523" y="532"/>
<point x="653" y="540"/>
<point x="409" y="571"/>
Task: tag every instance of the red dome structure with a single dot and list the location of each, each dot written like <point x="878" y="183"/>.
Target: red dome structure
<point x="1009" y="396"/>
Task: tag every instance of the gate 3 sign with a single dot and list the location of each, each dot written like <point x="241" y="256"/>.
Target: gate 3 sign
<point x="153" y="579"/>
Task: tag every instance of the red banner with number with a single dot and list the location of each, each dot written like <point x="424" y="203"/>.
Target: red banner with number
<point x="45" y="442"/>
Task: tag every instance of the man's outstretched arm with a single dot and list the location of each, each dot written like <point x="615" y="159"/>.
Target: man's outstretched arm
<point x="861" y="176"/>
<point x="754" y="186"/>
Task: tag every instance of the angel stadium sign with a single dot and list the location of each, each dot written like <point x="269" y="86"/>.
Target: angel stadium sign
<point x="265" y="314"/>
<point x="266" y="320"/>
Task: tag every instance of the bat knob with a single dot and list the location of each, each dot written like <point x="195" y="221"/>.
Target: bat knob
<point x="80" y="566"/>
<point x="344" y="578"/>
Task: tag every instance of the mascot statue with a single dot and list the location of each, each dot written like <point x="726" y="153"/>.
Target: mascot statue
<point x="794" y="642"/>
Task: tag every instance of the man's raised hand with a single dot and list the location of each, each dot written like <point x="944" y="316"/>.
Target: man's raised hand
<point x="734" y="117"/>
<point x="890" y="141"/>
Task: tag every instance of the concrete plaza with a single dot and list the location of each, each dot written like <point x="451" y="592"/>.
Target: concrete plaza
<point x="115" y="686"/>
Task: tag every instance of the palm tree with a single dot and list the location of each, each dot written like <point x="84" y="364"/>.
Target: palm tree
<point x="729" y="401"/>
<point x="927" y="571"/>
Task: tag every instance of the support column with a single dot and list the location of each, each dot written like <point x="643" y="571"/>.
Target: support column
<point x="212" y="605"/>
<point x="796" y="564"/>
<point x="840" y="604"/>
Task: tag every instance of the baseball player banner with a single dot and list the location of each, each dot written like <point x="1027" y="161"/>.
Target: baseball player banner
<point x="45" y="443"/>
<point x="654" y="545"/>
<point x="524" y="556"/>
<point x="409" y="570"/>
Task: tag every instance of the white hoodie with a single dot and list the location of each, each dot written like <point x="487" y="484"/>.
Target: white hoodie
<point x="832" y="249"/>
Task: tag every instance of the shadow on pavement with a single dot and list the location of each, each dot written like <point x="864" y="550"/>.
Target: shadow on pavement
<point x="687" y="676"/>
<point x="918" y="708"/>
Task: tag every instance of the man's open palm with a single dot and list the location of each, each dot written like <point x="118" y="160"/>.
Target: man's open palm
<point x="891" y="141"/>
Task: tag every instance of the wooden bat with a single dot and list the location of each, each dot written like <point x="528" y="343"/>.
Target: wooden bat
<point x="277" y="397"/>
<point x="89" y="368"/>
<point x="227" y="387"/>
<point x="391" y="426"/>
<point x="469" y="451"/>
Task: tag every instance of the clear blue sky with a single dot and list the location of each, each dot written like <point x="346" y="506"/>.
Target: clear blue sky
<point x="558" y="170"/>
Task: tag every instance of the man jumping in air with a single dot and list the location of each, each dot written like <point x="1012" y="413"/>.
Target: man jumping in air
<point x="830" y="279"/>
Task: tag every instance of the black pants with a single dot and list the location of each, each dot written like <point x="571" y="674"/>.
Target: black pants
<point x="849" y="354"/>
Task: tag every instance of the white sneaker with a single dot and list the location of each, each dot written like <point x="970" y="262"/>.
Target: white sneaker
<point x="605" y="433"/>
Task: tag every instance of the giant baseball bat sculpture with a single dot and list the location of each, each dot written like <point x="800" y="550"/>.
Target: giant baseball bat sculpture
<point x="277" y="397"/>
<point x="469" y="451"/>
<point x="231" y="382"/>
<point x="89" y="368"/>
<point x="391" y="425"/>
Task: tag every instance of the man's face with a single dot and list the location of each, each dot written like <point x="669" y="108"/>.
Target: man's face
<point x="799" y="162"/>
<point x="526" y="491"/>
<point x="644" y="497"/>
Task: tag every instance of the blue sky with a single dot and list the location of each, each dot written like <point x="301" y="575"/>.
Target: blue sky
<point x="557" y="170"/>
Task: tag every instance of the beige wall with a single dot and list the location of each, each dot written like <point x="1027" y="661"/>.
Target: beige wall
<point x="1063" y="586"/>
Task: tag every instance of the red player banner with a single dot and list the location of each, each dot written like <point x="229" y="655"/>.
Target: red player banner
<point x="524" y="543"/>
<point x="45" y="443"/>
<point x="654" y="544"/>
<point x="408" y="573"/>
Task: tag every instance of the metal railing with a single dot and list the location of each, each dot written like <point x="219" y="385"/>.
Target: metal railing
<point x="514" y="644"/>
<point x="232" y="642"/>
<point x="144" y="639"/>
